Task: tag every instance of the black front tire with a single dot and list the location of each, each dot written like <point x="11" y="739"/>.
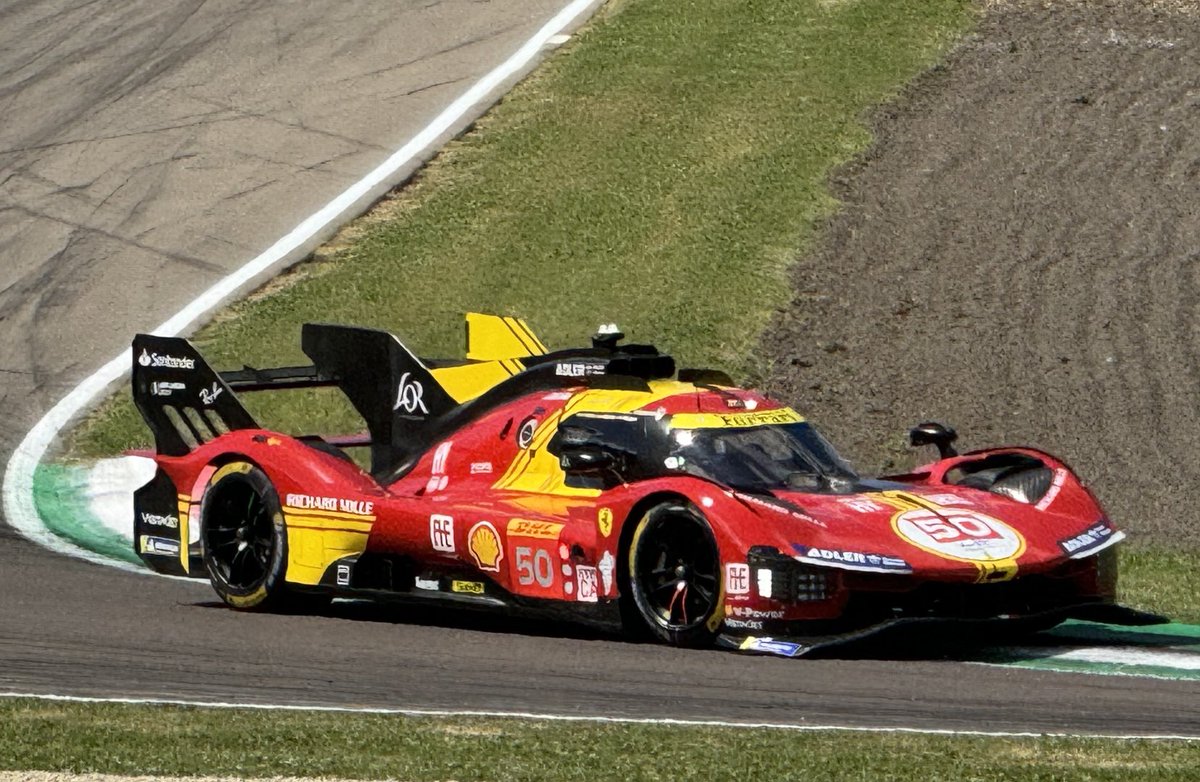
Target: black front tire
<point x="674" y="586"/>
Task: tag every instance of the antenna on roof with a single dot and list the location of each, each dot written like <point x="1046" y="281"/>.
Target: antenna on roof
<point x="607" y="336"/>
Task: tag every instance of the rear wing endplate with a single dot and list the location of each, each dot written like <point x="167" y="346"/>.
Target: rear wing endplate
<point x="183" y="400"/>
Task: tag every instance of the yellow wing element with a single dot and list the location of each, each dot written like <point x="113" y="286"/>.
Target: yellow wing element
<point x="494" y="337"/>
<point x="494" y="343"/>
<point x="467" y="381"/>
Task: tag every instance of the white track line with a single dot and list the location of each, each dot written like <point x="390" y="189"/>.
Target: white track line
<point x="19" y="507"/>
<point x="522" y="715"/>
<point x="1111" y="655"/>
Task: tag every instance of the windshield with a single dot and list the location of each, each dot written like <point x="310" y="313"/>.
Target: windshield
<point x="777" y="456"/>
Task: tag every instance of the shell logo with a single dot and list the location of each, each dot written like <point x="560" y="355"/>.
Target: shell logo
<point x="484" y="544"/>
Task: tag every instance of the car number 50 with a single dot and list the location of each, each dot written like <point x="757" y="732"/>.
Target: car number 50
<point x="964" y="527"/>
<point x="534" y="566"/>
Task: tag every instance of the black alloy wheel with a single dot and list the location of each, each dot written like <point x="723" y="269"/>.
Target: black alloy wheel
<point x="675" y="576"/>
<point x="240" y="538"/>
<point x="243" y="538"/>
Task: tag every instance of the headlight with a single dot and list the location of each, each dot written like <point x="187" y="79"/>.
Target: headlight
<point x="780" y="577"/>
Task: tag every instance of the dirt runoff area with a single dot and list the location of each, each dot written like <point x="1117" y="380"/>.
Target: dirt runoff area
<point x="1019" y="256"/>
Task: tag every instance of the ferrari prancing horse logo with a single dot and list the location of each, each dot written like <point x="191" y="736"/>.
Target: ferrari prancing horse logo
<point x="604" y="521"/>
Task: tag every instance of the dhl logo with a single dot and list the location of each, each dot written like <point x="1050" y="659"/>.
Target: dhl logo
<point x="524" y="528"/>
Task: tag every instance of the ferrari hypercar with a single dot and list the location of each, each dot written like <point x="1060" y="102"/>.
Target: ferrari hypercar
<point x="602" y="481"/>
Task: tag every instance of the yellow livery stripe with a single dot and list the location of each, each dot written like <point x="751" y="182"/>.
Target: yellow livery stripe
<point x="329" y="521"/>
<point x="312" y="551"/>
<point x="522" y="335"/>
<point x="539" y="347"/>
<point x="784" y="415"/>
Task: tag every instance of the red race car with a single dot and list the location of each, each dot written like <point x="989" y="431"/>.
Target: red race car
<point x="600" y="480"/>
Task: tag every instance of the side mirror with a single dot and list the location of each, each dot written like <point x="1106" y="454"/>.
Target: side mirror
<point x="586" y="460"/>
<point x="933" y="433"/>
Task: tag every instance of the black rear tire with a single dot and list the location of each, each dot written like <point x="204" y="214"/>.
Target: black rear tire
<point x="674" y="586"/>
<point x="244" y="540"/>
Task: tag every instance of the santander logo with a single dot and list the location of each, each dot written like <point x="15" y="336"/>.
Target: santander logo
<point x="164" y="361"/>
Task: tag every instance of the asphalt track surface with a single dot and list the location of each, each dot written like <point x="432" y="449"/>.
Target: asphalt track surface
<point x="148" y="150"/>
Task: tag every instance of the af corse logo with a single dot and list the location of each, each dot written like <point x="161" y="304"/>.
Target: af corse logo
<point x="737" y="578"/>
<point x="441" y="533"/>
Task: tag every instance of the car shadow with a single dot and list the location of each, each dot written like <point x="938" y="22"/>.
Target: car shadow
<point x="425" y="613"/>
<point x="958" y="643"/>
<point x="997" y="646"/>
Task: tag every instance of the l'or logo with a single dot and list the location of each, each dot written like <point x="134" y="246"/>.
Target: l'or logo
<point x="410" y="396"/>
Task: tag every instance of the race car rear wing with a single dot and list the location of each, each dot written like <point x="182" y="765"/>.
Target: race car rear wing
<point x="187" y="403"/>
<point x="406" y="402"/>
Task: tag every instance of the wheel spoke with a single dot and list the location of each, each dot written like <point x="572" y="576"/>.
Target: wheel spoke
<point x="262" y="553"/>
<point x="235" y="565"/>
<point x="675" y="598"/>
<point x="679" y="575"/>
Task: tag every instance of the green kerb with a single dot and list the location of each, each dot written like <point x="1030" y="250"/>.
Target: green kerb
<point x="60" y="496"/>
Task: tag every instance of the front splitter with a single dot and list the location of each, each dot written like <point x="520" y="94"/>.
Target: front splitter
<point x="937" y="630"/>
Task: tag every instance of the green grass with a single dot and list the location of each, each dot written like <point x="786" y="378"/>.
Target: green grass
<point x="1162" y="580"/>
<point x="662" y="171"/>
<point x="38" y="735"/>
